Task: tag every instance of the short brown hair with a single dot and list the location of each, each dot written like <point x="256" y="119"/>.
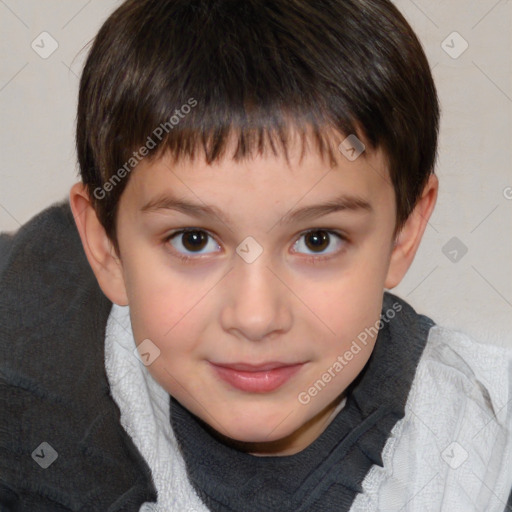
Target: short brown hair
<point x="253" y="69"/>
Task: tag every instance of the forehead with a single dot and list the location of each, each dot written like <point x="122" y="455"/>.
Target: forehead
<point x="306" y="177"/>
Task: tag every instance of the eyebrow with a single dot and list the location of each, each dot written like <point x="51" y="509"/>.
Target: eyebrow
<point x="341" y="203"/>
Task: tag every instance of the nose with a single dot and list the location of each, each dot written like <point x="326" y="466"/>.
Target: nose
<point x="257" y="304"/>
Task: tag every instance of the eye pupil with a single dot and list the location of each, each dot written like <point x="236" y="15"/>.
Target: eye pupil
<point x="194" y="240"/>
<point x="319" y="239"/>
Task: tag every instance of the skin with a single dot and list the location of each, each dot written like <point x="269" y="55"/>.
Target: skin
<point x="287" y="305"/>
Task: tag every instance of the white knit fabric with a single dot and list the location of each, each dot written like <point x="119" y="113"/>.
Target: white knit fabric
<point x="451" y="452"/>
<point x="461" y="394"/>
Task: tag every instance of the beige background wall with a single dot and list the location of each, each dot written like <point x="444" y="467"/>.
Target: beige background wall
<point x="472" y="293"/>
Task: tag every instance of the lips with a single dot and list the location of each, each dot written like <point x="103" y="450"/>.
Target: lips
<point x="262" y="378"/>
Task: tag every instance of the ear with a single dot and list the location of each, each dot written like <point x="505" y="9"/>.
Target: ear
<point x="98" y="248"/>
<point x="409" y="237"/>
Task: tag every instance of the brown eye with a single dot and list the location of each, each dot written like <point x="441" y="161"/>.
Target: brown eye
<point x="194" y="240"/>
<point x="317" y="240"/>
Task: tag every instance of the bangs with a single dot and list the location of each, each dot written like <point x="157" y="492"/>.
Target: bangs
<point x="233" y="140"/>
<point x="235" y="79"/>
<point x="194" y="75"/>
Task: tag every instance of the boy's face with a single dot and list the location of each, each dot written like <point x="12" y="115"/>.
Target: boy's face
<point x="261" y="311"/>
<point x="295" y="307"/>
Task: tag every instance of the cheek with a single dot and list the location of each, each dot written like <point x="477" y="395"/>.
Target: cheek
<point x="161" y="314"/>
<point x="166" y="313"/>
<point x="167" y="307"/>
<point x="155" y="305"/>
<point x="351" y="302"/>
<point x="349" y="305"/>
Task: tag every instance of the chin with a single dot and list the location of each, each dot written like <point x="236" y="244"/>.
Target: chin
<point x="255" y="436"/>
<point x="267" y="429"/>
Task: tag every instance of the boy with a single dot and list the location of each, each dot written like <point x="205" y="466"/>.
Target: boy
<point x="254" y="176"/>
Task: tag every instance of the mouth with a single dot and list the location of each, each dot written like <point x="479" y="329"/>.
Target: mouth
<point x="262" y="378"/>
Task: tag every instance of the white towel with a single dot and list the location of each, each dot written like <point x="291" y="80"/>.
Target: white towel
<point x="452" y="451"/>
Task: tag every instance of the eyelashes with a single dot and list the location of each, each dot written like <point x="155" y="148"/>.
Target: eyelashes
<point x="194" y="238"/>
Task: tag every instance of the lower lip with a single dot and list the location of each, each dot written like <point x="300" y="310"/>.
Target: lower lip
<point x="257" y="382"/>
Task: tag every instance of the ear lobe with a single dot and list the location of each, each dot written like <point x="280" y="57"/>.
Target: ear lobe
<point x="409" y="238"/>
<point x="102" y="258"/>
